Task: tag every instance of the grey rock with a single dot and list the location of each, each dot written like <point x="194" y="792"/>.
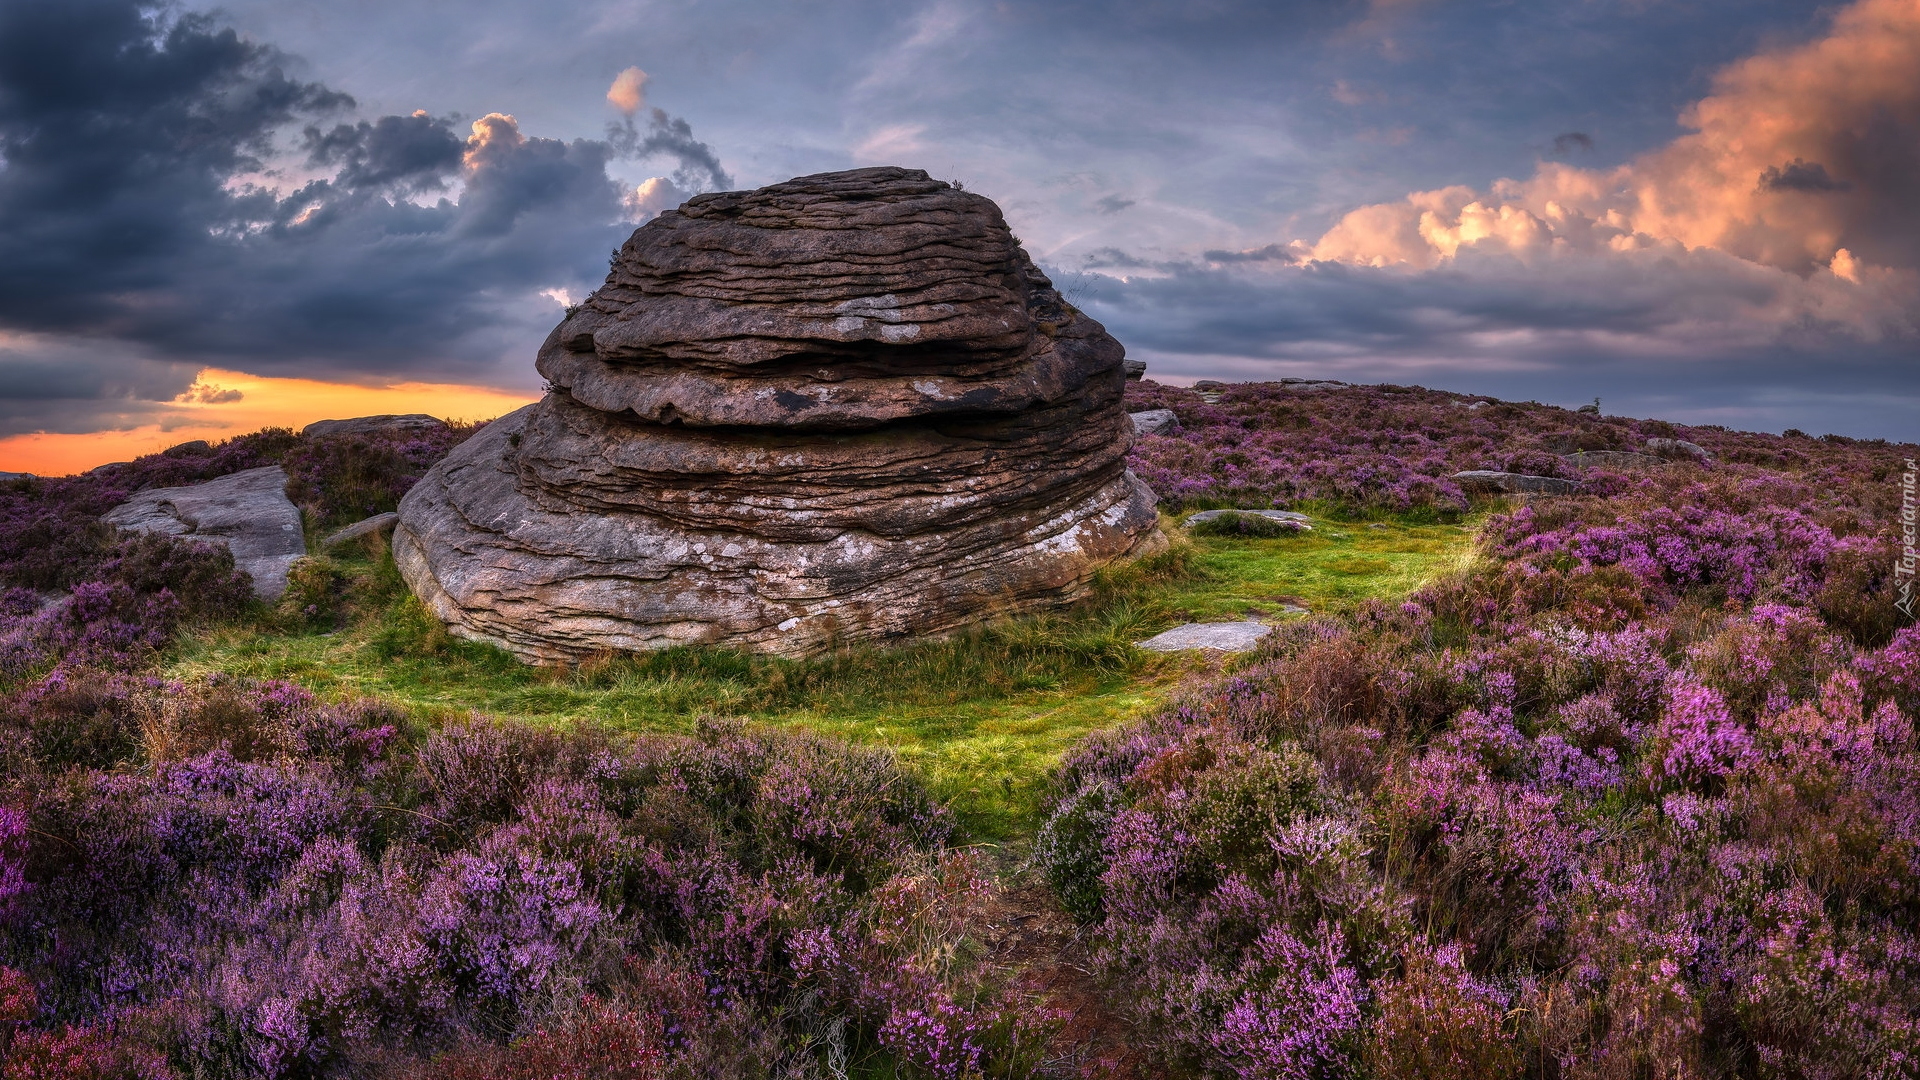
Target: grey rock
<point x="246" y="512"/>
<point x="1611" y="459"/>
<point x="1289" y="516"/>
<point x="843" y="408"/>
<point x="188" y="449"/>
<point x="1220" y="637"/>
<point x="378" y="523"/>
<point x="1478" y="405"/>
<point x="1153" y="421"/>
<point x="1674" y="448"/>
<point x="1135" y="369"/>
<point x="108" y="467"/>
<point x="1488" y="480"/>
<point x="1312" y="384"/>
<point x="368" y="425"/>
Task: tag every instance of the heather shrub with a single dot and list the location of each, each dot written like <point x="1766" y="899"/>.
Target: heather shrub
<point x="1632" y="795"/>
<point x="253" y="882"/>
<point x="340" y="479"/>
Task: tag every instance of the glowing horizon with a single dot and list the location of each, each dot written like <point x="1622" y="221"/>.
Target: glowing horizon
<point x="263" y="402"/>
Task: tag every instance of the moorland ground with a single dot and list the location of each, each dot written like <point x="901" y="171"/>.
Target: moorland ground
<point x="1618" y="784"/>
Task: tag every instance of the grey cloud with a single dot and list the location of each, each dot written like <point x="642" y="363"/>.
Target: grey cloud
<point x="1798" y="175"/>
<point x="1269" y="253"/>
<point x="1112" y="204"/>
<point x="122" y="133"/>
<point x="1568" y="142"/>
<point x="699" y="169"/>
<point x="66" y="385"/>
<point x="1665" y="336"/>
<point x="412" y="153"/>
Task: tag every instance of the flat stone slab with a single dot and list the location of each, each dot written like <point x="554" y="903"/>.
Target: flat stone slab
<point x="1290" y="516"/>
<point x="378" y="523"/>
<point x="1153" y="421"/>
<point x="1218" y="636"/>
<point x="1514" y="483"/>
<point x="246" y="512"/>
<point x="367" y="425"/>
<point x="1612" y="459"/>
<point x="1679" y="448"/>
<point x="1135" y="369"/>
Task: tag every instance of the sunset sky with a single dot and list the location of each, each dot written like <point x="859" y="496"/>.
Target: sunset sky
<point x="275" y="211"/>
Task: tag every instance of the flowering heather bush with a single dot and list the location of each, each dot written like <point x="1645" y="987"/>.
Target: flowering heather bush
<point x="1369" y="449"/>
<point x="230" y="878"/>
<point x="341" y="479"/>
<point x="1636" y="795"/>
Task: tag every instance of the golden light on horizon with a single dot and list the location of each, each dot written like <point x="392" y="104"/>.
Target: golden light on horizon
<point x="212" y="411"/>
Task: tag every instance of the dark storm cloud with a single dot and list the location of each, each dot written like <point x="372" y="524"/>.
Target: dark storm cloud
<point x="1797" y="175"/>
<point x="126" y="215"/>
<point x="408" y="153"/>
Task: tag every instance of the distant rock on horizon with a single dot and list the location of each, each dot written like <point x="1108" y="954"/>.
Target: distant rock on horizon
<point x="847" y="407"/>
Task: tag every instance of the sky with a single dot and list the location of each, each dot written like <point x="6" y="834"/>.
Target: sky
<point x="274" y="211"/>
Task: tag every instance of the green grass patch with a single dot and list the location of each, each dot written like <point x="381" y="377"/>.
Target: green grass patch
<point x="982" y="714"/>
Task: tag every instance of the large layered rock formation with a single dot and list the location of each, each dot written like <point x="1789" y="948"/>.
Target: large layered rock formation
<point x="844" y="407"/>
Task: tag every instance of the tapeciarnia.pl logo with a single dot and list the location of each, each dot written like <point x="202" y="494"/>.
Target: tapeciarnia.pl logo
<point x="1903" y="568"/>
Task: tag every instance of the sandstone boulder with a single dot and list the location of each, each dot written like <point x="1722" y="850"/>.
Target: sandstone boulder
<point x="842" y="408"/>
<point x="1493" y="481"/>
<point x="368" y="425"/>
<point x="1678" y="448"/>
<point x="373" y="526"/>
<point x="1153" y="421"/>
<point x="1612" y="459"/>
<point x="246" y="512"/>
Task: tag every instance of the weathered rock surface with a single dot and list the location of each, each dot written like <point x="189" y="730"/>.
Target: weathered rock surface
<point x="376" y="524"/>
<point x="1288" y="517"/>
<point x="1222" y="637"/>
<point x="367" y="425"/>
<point x="247" y="512"/>
<point x="1675" y="448"/>
<point x="845" y="407"/>
<point x="1135" y="369"/>
<point x="1489" y="480"/>
<point x="1153" y="421"/>
<point x="1612" y="459"/>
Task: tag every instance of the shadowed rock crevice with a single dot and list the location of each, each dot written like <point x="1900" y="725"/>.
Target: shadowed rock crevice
<point x="839" y="408"/>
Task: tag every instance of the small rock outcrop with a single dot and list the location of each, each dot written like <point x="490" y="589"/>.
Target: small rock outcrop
<point x="247" y="512"/>
<point x="1612" y="459"/>
<point x="369" y="425"/>
<point x="1220" y="637"/>
<point x="1493" y="481"/>
<point x="373" y="526"/>
<point x="846" y="407"/>
<point x="1679" y="448"/>
<point x="1153" y="421"/>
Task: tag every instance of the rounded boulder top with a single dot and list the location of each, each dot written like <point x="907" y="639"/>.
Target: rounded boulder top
<point x="842" y="300"/>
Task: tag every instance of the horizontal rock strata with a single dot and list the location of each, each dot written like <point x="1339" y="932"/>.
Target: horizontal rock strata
<point x="845" y="407"/>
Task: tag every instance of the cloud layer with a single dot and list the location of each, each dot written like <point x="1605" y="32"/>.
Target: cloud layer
<point x="153" y="217"/>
